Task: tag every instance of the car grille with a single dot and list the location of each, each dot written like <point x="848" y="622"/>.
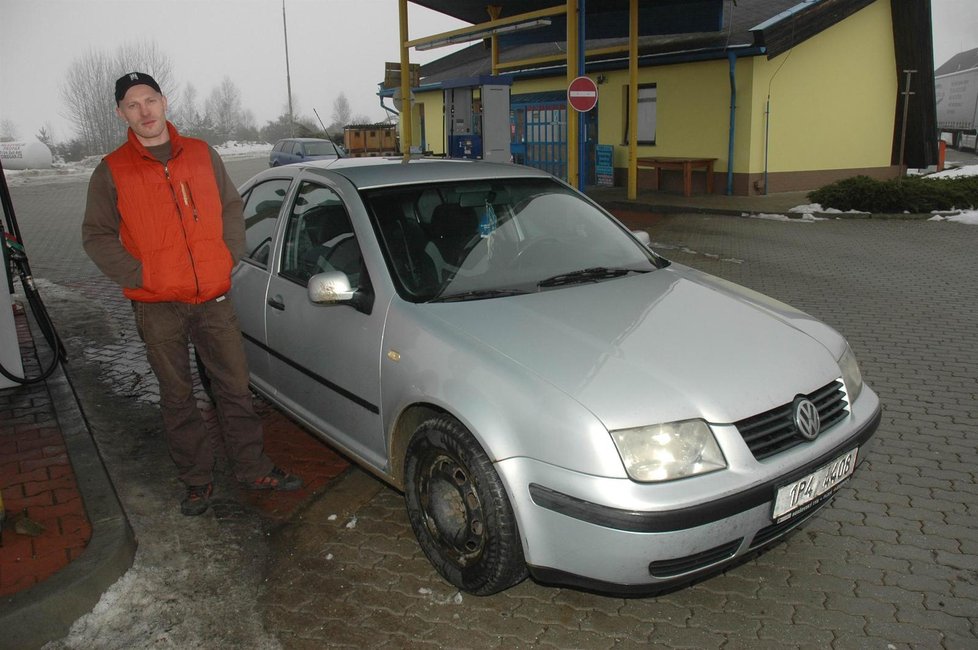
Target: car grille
<point x="773" y="432"/>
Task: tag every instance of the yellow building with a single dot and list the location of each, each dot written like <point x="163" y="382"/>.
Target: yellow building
<point x="818" y="94"/>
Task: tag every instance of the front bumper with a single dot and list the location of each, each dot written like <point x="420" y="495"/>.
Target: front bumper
<point x="594" y="545"/>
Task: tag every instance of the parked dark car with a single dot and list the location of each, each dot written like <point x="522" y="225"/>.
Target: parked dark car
<point x="293" y="150"/>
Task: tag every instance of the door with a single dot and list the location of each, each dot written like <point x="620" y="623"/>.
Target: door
<point x="262" y="205"/>
<point x="324" y="360"/>
<point x="539" y="131"/>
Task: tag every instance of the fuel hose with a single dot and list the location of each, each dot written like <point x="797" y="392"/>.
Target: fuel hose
<point x="15" y="255"/>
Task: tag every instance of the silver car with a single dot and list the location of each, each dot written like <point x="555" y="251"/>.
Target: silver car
<point x="552" y="396"/>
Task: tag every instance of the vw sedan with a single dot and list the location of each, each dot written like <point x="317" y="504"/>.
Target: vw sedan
<point x="553" y="397"/>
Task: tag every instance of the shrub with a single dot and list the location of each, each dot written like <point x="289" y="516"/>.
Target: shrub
<point x="913" y="194"/>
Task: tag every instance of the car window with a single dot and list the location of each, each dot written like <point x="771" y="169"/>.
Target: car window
<point x="261" y="208"/>
<point x="498" y="235"/>
<point x="319" y="237"/>
<point x="323" y="148"/>
<point x="296" y="148"/>
<point x="280" y="145"/>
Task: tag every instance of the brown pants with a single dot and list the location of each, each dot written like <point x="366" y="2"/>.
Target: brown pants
<point x="212" y="327"/>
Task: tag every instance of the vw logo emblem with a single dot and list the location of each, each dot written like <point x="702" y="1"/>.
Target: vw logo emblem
<point x="806" y="418"/>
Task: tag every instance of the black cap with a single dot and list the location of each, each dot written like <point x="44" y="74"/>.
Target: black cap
<point x="125" y="82"/>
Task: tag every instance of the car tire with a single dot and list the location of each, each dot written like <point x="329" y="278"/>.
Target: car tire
<point x="459" y="509"/>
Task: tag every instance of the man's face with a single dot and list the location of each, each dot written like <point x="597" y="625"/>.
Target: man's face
<point x="144" y="110"/>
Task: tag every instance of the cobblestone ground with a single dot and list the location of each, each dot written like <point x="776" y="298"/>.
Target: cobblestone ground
<point x="892" y="562"/>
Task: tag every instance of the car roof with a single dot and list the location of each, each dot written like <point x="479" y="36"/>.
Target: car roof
<point x="305" y="140"/>
<point x="371" y="172"/>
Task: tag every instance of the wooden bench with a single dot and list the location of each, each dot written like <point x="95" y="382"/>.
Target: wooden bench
<point x="685" y="165"/>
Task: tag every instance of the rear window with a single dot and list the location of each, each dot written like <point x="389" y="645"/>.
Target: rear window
<point x="320" y="149"/>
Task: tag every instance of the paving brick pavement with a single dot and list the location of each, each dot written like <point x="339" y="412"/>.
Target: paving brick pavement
<point x="37" y="481"/>
<point x="892" y="562"/>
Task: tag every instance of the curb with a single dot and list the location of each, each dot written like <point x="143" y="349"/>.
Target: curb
<point x="46" y="611"/>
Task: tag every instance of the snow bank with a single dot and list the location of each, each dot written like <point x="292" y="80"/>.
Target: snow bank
<point x="62" y="171"/>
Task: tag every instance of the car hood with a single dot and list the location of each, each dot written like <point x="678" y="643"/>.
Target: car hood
<point x="669" y="345"/>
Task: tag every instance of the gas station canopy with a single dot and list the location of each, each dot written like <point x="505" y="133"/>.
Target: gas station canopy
<point x="605" y="18"/>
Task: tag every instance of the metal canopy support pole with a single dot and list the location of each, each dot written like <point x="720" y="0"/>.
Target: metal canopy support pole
<point x="632" y="99"/>
<point x="581" y="121"/>
<point x="407" y="118"/>
<point x="494" y="12"/>
<point x="572" y="115"/>
<point x="903" y="130"/>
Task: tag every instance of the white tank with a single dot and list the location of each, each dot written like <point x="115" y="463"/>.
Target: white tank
<point x="25" y="155"/>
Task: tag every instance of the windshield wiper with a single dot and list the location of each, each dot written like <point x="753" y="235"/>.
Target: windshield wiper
<point x="585" y="275"/>
<point x="477" y="294"/>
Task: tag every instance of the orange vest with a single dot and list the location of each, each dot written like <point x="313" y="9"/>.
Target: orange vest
<point x="172" y="220"/>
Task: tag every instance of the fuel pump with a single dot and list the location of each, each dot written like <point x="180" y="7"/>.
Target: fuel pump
<point x="15" y="256"/>
<point x="477" y="121"/>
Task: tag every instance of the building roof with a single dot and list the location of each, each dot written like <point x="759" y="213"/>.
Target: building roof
<point x="966" y="60"/>
<point x="768" y="27"/>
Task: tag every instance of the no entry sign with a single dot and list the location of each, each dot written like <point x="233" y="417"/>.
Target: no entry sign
<point x="582" y="93"/>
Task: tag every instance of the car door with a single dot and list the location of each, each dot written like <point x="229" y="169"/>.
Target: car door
<point x="249" y="281"/>
<point x="325" y="359"/>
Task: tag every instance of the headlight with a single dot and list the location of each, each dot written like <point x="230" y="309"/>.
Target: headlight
<point x="851" y="374"/>
<point x="664" y="452"/>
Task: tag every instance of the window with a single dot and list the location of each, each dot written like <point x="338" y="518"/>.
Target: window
<point x="319" y="237"/>
<point x="647" y="99"/>
<point x="261" y="210"/>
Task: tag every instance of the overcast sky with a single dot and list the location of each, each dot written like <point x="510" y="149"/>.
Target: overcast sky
<point x="334" y="46"/>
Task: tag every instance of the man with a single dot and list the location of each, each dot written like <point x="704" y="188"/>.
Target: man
<point x="164" y="221"/>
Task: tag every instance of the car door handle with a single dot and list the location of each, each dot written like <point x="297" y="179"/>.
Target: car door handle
<point x="276" y="303"/>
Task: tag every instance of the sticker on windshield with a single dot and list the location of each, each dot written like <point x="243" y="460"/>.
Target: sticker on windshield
<point x="487" y="222"/>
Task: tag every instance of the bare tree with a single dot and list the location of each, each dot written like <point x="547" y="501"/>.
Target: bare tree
<point x="341" y="111"/>
<point x="223" y="107"/>
<point x="185" y="113"/>
<point x="88" y="92"/>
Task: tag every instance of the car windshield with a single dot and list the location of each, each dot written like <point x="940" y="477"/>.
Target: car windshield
<point x="321" y="149"/>
<point x="484" y="239"/>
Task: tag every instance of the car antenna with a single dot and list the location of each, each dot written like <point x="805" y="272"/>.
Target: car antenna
<point x="320" y="122"/>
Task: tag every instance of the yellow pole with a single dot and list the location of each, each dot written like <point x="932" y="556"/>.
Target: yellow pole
<point x="494" y="12"/>
<point x="632" y="99"/>
<point x="407" y="118"/>
<point x="572" y="73"/>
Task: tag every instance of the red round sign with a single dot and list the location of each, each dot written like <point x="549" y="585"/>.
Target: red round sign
<point x="582" y="93"/>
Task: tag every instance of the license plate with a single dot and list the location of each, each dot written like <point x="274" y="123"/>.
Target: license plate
<point x="797" y="495"/>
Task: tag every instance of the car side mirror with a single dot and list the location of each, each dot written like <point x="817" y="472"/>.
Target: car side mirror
<point x="333" y="288"/>
<point x="330" y="288"/>
<point x="643" y="237"/>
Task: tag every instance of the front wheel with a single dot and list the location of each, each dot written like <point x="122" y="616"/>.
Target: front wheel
<point x="459" y="509"/>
